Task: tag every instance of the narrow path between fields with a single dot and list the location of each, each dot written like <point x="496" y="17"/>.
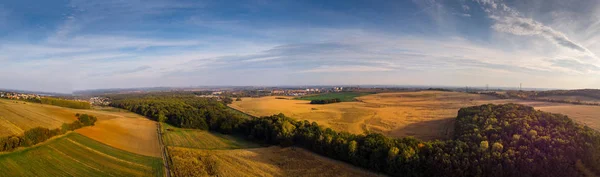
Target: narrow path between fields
<point x="165" y="155"/>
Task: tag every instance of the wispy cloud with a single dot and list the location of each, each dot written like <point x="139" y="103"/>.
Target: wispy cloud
<point x="509" y="20"/>
<point x="346" y="68"/>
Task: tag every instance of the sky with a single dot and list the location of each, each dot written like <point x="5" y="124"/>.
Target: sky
<point x="68" y="45"/>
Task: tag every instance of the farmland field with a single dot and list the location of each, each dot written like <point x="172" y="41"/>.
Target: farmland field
<point x="582" y="99"/>
<point x="270" y="161"/>
<point x="77" y="155"/>
<point x="202" y="153"/>
<point x="344" y="96"/>
<point x="200" y="139"/>
<point x="133" y="134"/>
<point x="426" y="115"/>
<point x="18" y="116"/>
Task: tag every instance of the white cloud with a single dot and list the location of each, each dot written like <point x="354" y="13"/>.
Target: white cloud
<point x="346" y="68"/>
<point x="509" y="20"/>
<point x="465" y="7"/>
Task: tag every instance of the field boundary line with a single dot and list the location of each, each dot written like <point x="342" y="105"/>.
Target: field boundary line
<point x="165" y="153"/>
<point x="84" y="164"/>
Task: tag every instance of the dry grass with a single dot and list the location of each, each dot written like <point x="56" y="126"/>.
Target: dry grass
<point x="426" y="115"/>
<point x="271" y="161"/>
<point x="587" y="115"/>
<point x="137" y="135"/>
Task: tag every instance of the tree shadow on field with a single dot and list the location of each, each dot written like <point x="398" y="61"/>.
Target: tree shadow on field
<point x="440" y="129"/>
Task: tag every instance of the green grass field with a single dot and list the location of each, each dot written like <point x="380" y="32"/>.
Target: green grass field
<point x="200" y="139"/>
<point x="77" y="155"/>
<point x="344" y="96"/>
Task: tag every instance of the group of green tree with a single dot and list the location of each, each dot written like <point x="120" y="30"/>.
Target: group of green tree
<point x="326" y="101"/>
<point x="183" y="110"/>
<point x="61" y="102"/>
<point x="40" y="134"/>
<point x="489" y="140"/>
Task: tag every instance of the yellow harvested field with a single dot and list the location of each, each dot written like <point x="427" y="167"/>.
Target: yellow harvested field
<point x="587" y="115"/>
<point x="18" y="116"/>
<point x="137" y="135"/>
<point x="426" y="114"/>
<point x="271" y="161"/>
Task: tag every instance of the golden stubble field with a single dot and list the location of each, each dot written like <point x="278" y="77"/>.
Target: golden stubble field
<point x="426" y="114"/>
<point x="18" y="116"/>
<point x="137" y="135"/>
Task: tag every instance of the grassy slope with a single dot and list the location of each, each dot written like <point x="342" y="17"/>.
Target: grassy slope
<point x="77" y="155"/>
<point x="18" y="116"/>
<point x="191" y="138"/>
<point x="344" y="96"/>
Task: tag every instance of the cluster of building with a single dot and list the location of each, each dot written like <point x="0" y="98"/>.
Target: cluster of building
<point x="18" y="96"/>
<point x="99" y="101"/>
<point x="302" y="92"/>
<point x="266" y="91"/>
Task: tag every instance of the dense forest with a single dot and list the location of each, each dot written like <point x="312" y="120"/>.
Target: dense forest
<point x="39" y="134"/>
<point x="489" y="140"/>
<point x="183" y="110"/>
<point x="326" y="101"/>
<point x="61" y="102"/>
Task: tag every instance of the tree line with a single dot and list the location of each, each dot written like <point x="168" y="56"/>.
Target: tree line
<point x="61" y="102"/>
<point x="489" y="140"/>
<point x="40" y="134"/>
<point x="326" y="101"/>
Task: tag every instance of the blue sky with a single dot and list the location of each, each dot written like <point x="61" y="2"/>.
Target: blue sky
<point x="67" y="45"/>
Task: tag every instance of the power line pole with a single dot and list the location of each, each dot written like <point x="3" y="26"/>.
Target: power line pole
<point x="520" y="86"/>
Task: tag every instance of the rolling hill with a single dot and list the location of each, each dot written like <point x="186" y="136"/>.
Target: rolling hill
<point x="77" y="155"/>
